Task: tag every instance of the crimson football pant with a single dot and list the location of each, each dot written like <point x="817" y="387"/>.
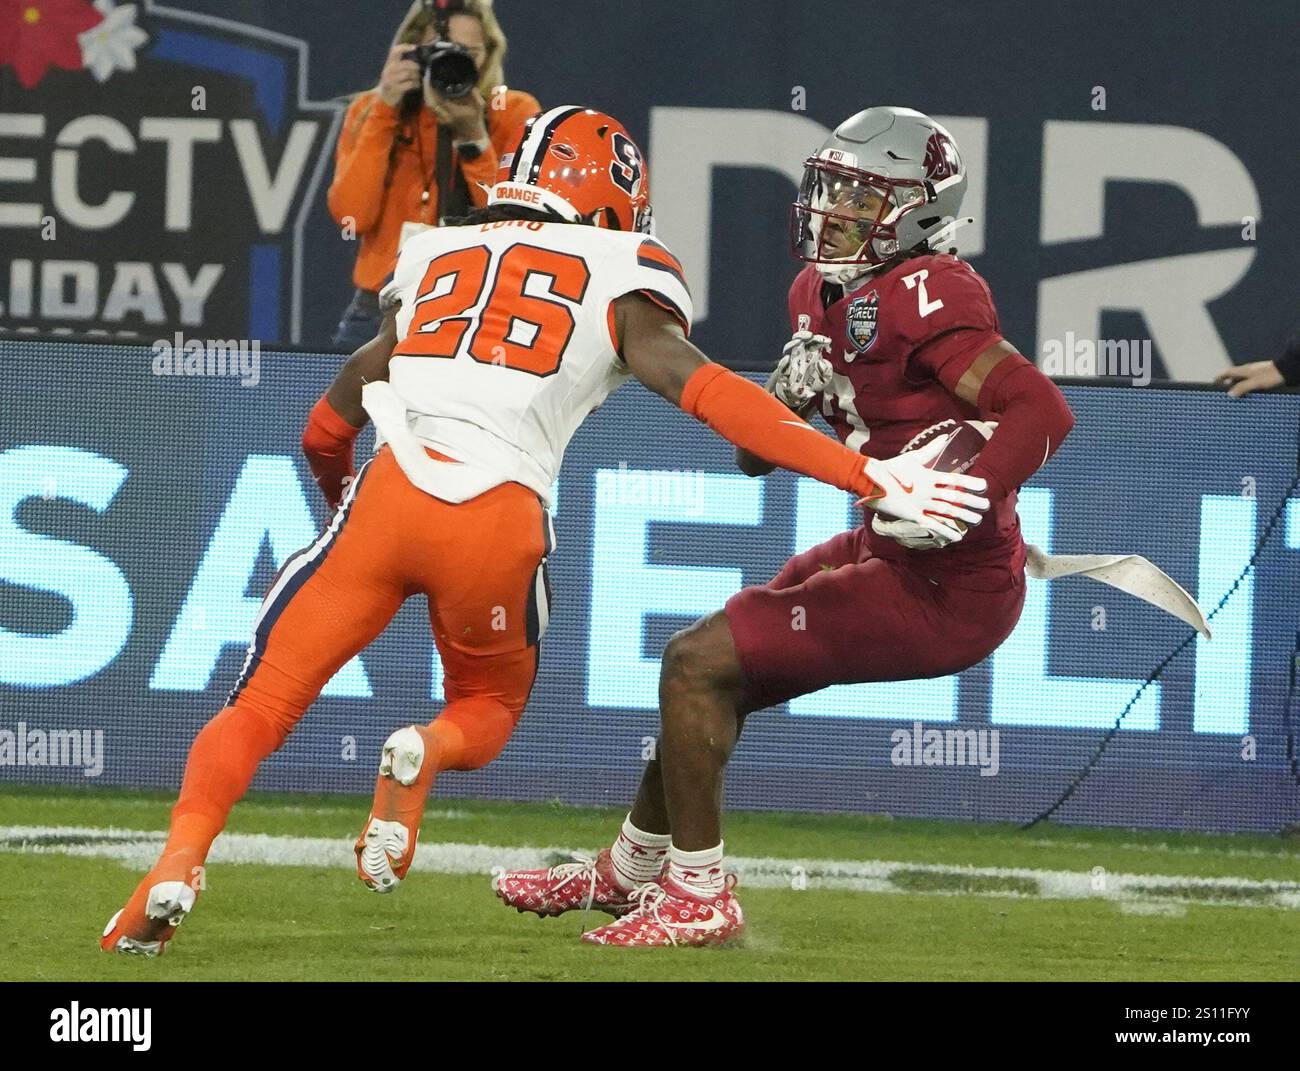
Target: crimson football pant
<point x="838" y="615"/>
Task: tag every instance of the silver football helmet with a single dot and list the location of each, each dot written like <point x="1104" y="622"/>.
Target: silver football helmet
<point x="888" y="180"/>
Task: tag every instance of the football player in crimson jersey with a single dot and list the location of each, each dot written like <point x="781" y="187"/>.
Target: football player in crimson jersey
<point x="891" y="336"/>
<point x="508" y="332"/>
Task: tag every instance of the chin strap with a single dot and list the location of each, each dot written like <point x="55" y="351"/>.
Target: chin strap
<point x="943" y="236"/>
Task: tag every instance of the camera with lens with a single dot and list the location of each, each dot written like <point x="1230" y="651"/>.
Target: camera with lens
<point x="449" y="68"/>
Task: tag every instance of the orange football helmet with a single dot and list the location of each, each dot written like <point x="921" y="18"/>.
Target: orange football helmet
<point x="581" y="164"/>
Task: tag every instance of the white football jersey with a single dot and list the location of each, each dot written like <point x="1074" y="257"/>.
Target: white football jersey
<point x="507" y="344"/>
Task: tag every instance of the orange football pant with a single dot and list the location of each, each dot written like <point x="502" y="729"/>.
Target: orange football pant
<point x="481" y="565"/>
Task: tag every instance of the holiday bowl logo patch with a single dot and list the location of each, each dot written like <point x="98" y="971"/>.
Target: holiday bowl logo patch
<point x="861" y="321"/>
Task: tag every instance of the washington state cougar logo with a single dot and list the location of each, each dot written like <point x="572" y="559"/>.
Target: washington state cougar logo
<point x="941" y="159"/>
<point x="861" y="321"/>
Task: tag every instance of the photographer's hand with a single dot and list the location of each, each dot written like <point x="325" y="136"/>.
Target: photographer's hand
<point x="400" y="75"/>
<point x="467" y="117"/>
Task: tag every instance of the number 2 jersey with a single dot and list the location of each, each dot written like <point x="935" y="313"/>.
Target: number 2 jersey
<point x="507" y="343"/>
<point x="900" y="341"/>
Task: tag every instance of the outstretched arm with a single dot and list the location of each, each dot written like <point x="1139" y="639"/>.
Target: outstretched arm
<point x="753" y="465"/>
<point x="796" y="382"/>
<point x="658" y="354"/>
<point x="336" y="419"/>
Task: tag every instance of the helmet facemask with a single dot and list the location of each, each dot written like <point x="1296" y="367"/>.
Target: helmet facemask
<point x="845" y="219"/>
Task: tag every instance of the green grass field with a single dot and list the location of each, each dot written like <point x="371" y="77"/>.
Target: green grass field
<point x="948" y="901"/>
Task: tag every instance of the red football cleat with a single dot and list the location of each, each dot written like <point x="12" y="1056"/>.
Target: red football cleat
<point x="577" y="886"/>
<point x="665" y="913"/>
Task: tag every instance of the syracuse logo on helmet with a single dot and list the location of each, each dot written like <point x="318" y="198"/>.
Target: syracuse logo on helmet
<point x="581" y="164"/>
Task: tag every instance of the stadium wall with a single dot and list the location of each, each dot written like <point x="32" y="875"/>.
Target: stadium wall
<point x="142" y="515"/>
<point x="1114" y="195"/>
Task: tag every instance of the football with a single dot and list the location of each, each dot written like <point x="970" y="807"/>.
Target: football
<point x="966" y="439"/>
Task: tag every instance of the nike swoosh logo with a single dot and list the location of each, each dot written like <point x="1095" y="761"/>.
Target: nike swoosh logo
<point x="714" y="922"/>
<point x="800" y="424"/>
<point x="907" y="488"/>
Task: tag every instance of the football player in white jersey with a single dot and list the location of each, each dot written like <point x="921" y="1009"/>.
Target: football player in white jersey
<point x="504" y="334"/>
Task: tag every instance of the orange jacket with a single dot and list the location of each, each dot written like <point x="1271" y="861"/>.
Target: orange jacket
<point x="376" y="211"/>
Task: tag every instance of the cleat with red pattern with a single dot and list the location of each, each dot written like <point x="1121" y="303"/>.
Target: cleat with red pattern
<point x="577" y="886"/>
<point x="665" y="913"/>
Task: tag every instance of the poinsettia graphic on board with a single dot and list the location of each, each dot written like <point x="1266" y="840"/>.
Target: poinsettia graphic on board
<point x="36" y="35"/>
<point x="110" y="46"/>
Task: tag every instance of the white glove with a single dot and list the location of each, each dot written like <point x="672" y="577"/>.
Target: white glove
<point x="907" y="534"/>
<point x="390" y="298"/>
<point x="803" y="370"/>
<point x="942" y="504"/>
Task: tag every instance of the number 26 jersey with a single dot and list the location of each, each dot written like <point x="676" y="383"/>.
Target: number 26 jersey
<point x="506" y="344"/>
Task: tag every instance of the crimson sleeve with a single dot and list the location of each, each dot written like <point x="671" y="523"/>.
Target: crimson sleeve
<point x="746" y="415"/>
<point x="948" y="356"/>
<point x="327" y="441"/>
<point x="1033" y="419"/>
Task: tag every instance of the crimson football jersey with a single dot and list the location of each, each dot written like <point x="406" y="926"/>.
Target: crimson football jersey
<point x="900" y="342"/>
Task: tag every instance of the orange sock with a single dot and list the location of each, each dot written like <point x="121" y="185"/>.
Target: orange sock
<point x="222" y="762"/>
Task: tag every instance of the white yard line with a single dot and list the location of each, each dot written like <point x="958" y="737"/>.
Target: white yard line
<point x="138" y="850"/>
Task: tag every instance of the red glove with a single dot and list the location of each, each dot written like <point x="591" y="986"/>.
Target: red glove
<point x="327" y="441"/>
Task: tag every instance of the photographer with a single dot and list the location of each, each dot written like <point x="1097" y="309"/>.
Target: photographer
<point x="420" y="147"/>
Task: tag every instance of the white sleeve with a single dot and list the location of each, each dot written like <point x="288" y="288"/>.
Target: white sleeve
<point x="648" y="268"/>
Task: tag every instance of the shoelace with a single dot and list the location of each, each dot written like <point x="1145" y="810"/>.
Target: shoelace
<point x="648" y="899"/>
<point x="581" y="867"/>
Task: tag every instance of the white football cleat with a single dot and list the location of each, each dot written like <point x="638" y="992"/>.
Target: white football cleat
<point x="403" y="755"/>
<point x="386" y="846"/>
<point x="381" y="846"/>
<point x="165" y="907"/>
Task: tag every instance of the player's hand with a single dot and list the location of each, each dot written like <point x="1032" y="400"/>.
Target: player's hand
<point x="390" y="298"/>
<point x="1245" y="378"/>
<point x="399" y="76"/>
<point x="935" y="501"/>
<point x="803" y="371"/>
<point x="907" y="533"/>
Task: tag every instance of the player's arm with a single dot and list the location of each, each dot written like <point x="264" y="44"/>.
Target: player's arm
<point x="657" y="352"/>
<point x="753" y="465"/>
<point x="338" y="417"/>
<point x="796" y="382"/>
<point x="1032" y="415"/>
